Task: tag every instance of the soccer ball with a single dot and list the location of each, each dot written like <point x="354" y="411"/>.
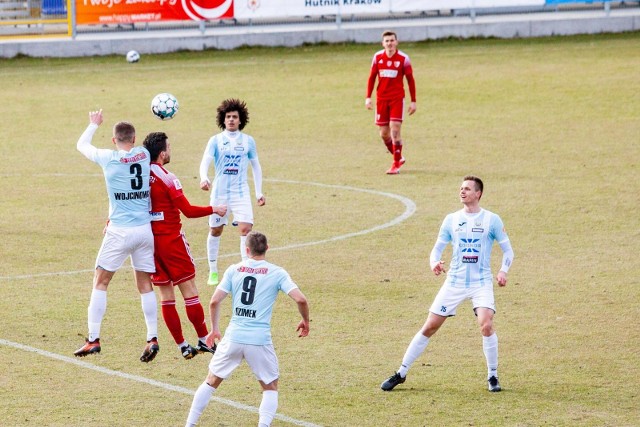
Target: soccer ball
<point x="164" y="106"/>
<point x="133" y="56"/>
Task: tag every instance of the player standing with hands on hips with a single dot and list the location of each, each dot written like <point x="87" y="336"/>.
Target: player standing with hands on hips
<point x="391" y="66"/>
<point x="254" y="285"/>
<point x="231" y="152"/>
<point x="471" y="232"/>
<point x="126" y="171"/>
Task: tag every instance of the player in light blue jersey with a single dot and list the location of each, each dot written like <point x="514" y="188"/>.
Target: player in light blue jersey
<point x="254" y="285"/>
<point x="471" y="232"/>
<point x="231" y="152"/>
<point x="126" y="172"/>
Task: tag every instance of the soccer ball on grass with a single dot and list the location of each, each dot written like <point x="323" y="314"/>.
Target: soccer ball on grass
<point x="164" y="106"/>
<point x="133" y="56"/>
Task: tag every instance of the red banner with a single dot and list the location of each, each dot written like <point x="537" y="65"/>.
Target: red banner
<point x="130" y="11"/>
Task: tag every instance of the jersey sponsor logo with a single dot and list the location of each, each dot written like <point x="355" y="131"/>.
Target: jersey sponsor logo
<point x="132" y="195"/>
<point x="230" y="172"/>
<point x="390" y="74"/>
<point x="469" y="245"/>
<point x="135" y="159"/>
<point x="157" y="216"/>
<point x="477" y="230"/>
<point x="250" y="270"/>
<point x="245" y="312"/>
<point x="239" y="148"/>
<point x="473" y="259"/>
<point x="177" y="184"/>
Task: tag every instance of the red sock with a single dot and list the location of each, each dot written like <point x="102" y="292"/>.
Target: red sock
<point x="389" y="144"/>
<point x="397" y="152"/>
<point x="195" y="313"/>
<point x="172" y="320"/>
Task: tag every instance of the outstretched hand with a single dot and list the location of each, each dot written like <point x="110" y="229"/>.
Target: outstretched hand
<point x="95" y="117"/>
<point x="439" y="268"/>
<point x="303" y="327"/>
<point x="212" y="337"/>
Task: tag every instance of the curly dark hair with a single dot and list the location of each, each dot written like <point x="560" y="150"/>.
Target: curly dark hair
<point x="229" y="105"/>
<point x="155" y="142"/>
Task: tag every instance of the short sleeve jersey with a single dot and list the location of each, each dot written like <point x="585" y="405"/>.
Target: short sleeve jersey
<point x="472" y="237"/>
<point x="231" y="153"/>
<point x="391" y="72"/>
<point x="126" y="174"/>
<point x="165" y="188"/>
<point x="254" y="287"/>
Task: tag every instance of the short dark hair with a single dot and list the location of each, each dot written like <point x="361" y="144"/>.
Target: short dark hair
<point x="156" y="143"/>
<point x="257" y="243"/>
<point x="478" y="181"/>
<point x="389" y="33"/>
<point x="229" y="105"/>
<point x="124" y="132"/>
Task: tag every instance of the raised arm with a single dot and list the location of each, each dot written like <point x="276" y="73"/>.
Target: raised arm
<point x="84" y="142"/>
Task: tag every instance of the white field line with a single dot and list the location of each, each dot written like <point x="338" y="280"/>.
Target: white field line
<point x="410" y="208"/>
<point x="159" y="384"/>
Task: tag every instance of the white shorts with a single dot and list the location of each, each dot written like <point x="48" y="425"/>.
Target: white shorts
<point x="261" y="359"/>
<point x="120" y="242"/>
<point x="449" y="298"/>
<point x="240" y="208"/>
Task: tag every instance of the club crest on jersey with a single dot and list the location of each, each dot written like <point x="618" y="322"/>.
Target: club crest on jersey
<point x="177" y="184"/>
<point x="253" y="4"/>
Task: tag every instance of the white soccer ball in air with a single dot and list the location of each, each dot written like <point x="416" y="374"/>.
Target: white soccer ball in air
<point x="164" y="106"/>
<point x="133" y="56"/>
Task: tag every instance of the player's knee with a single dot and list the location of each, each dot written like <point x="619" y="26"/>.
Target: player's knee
<point x="487" y="329"/>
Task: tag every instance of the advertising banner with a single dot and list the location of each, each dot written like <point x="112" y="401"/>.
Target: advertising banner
<point x="248" y="9"/>
<point x="132" y="11"/>
<point x="419" y="5"/>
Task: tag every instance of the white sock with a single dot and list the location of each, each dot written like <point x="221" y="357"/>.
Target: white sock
<point x="200" y="401"/>
<point x="268" y="407"/>
<point x="415" y="349"/>
<point x="243" y="247"/>
<point x="490" y="347"/>
<point x="213" y="246"/>
<point x="96" y="310"/>
<point x="150" y="310"/>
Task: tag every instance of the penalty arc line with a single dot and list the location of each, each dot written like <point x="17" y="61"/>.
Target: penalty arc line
<point x="149" y="381"/>
<point x="410" y="209"/>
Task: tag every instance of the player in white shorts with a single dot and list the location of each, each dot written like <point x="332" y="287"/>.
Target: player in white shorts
<point x="471" y="232"/>
<point x="254" y="285"/>
<point x="126" y="170"/>
<point x="231" y="152"/>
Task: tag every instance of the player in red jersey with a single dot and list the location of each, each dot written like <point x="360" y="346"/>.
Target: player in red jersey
<point x="391" y="66"/>
<point x="174" y="264"/>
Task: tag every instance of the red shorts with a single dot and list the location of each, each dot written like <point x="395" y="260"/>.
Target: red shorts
<point x="391" y="110"/>
<point x="174" y="263"/>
